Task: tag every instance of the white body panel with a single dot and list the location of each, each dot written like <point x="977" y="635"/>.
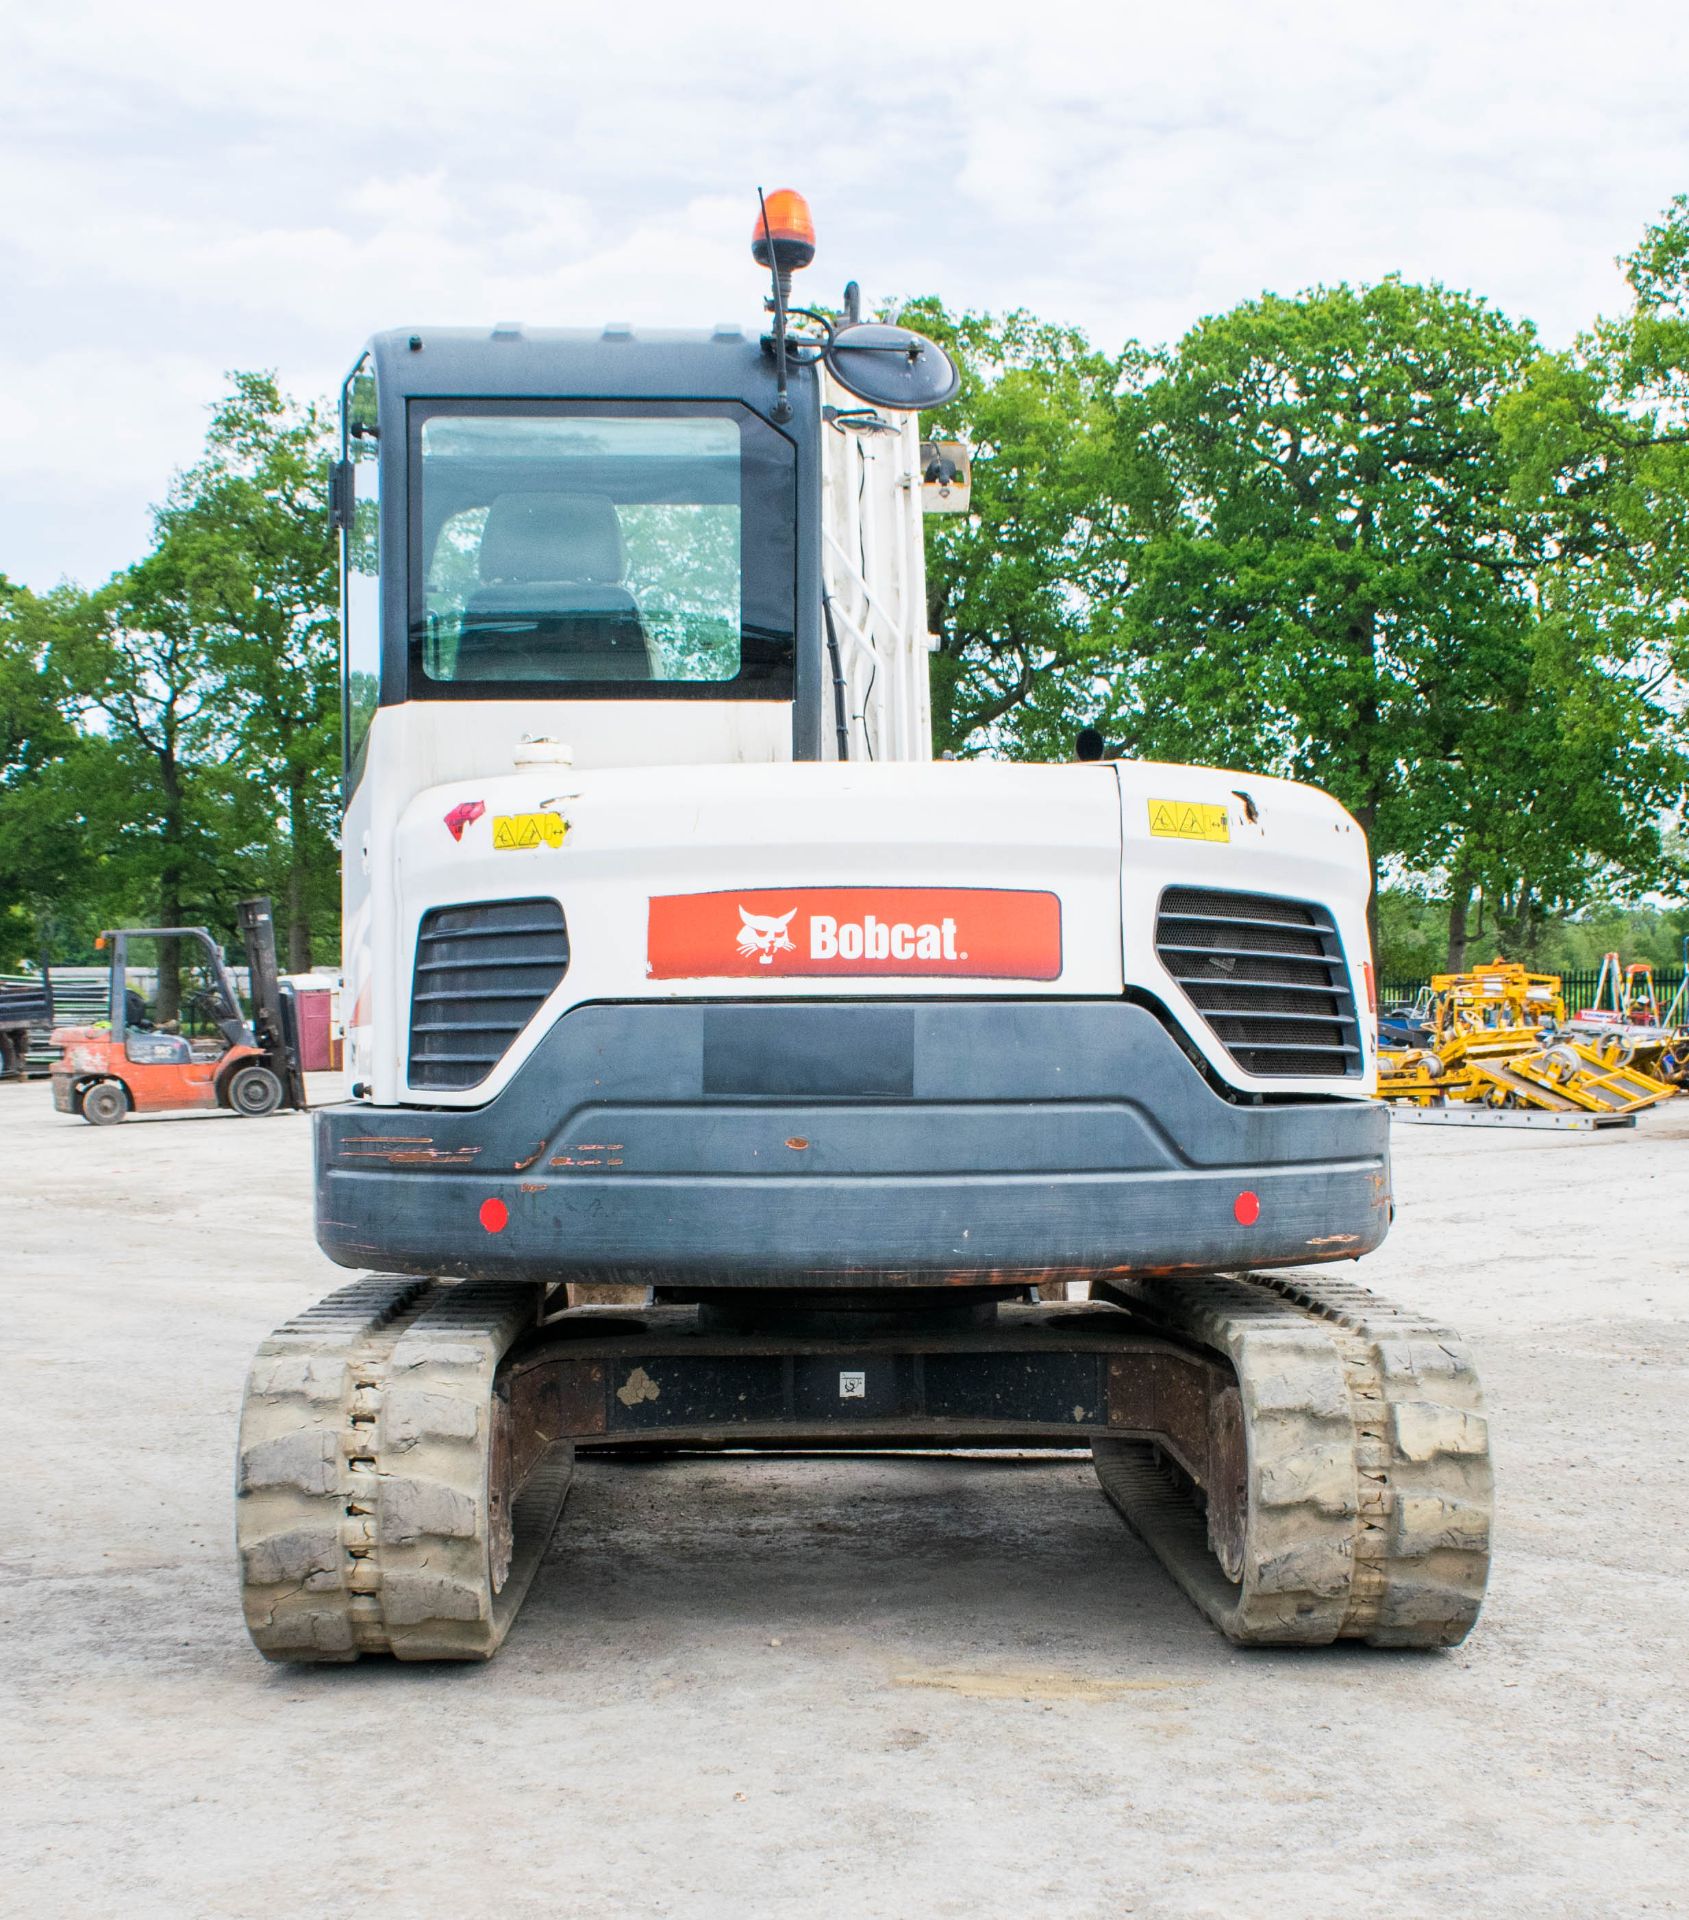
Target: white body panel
<point x="1081" y="832"/>
<point x="1302" y="845"/>
<point x="636" y="834"/>
<point x="430" y="743"/>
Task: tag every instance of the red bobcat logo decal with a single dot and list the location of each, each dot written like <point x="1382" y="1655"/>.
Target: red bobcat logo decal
<point x="981" y="933"/>
<point x="764" y="936"/>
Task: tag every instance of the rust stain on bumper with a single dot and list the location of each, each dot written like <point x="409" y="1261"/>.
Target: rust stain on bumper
<point x="412" y="1150"/>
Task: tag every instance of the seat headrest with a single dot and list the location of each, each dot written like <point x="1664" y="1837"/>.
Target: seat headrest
<point x="552" y="536"/>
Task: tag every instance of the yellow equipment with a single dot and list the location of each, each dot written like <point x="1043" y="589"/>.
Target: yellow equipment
<point x="1673" y="1061"/>
<point x="1498" y="1043"/>
<point x="1500" y="996"/>
<point x="1594" y="1078"/>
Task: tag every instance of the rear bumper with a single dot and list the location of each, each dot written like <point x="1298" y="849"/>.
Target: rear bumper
<point x="734" y="1144"/>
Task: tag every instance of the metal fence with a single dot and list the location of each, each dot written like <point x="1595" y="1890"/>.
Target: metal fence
<point x="80" y="996"/>
<point x="1578" y="987"/>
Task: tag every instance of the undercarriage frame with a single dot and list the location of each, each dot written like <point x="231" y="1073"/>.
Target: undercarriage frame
<point x="1306" y="1461"/>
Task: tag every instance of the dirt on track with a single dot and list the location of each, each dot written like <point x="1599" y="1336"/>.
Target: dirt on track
<point x="877" y="1687"/>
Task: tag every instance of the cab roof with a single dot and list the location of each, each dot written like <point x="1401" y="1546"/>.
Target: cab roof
<point x="612" y="362"/>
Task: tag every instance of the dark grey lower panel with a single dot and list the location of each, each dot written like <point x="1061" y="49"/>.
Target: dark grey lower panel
<point x="852" y="1143"/>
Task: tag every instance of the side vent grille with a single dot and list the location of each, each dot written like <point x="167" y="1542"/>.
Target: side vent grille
<point x="1268" y="976"/>
<point x="482" y="972"/>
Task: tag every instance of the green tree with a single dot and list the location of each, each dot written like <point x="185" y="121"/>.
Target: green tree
<point x="181" y="831"/>
<point x="35" y="733"/>
<point x="60" y="784"/>
<point x="1325" y="570"/>
<point x="1598" y="439"/>
<point x="1010" y="584"/>
<point x="204" y="681"/>
<point x="1413" y="934"/>
<point x="1559" y="800"/>
<point x="244" y="537"/>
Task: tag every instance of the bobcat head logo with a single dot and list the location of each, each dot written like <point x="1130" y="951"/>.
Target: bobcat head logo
<point x="765" y="936"/>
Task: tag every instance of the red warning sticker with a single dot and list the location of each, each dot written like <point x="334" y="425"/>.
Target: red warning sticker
<point x="979" y="933"/>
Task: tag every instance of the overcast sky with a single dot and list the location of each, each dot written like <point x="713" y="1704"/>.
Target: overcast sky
<point x="190" y="188"/>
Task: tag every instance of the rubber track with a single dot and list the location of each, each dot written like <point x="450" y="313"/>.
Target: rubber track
<point x="362" y="1514"/>
<point x="1369" y="1470"/>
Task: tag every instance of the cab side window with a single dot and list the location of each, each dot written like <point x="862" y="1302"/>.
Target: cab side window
<point x="360" y="570"/>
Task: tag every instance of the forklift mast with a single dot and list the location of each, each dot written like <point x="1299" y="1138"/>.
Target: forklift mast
<point x="274" y="1017"/>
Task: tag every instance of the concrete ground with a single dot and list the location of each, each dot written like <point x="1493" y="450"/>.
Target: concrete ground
<point x="883" y="1687"/>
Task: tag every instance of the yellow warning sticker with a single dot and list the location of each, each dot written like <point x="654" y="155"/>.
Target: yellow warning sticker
<point x="1187" y="820"/>
<point x="514" y="831"/>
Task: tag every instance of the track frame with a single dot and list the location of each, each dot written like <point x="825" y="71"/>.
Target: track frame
<point x="1307" y="1462"/>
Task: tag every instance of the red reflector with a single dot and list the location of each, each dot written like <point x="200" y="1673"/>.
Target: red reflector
<point x="1246" y="1208"/>
<point x="1371" y="986"/>
<point x="495" y="1215"/>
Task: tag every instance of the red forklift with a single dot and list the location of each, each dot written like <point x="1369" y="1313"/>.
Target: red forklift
<point x="128" y="1064"/>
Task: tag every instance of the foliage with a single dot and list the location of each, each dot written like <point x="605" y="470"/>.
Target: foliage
<point x="171" y="739"/>
<point x="1010" y="584"/>
<point x="1637" y="933"/>
<point x="1599" y="438"/>
<point x="245" y="540"/>
<point x="38" y="856"/>
<point x="1327" y="572"/>
<point x="1414" y="937"/>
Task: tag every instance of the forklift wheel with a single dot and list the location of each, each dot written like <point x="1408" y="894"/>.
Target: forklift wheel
<point x="254" y="1092"/>
<point x="105" y="1103"/>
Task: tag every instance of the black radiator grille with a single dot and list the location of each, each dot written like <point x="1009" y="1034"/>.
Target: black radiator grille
<point x="481" y="973"/>
<point x="1267" y="975"/>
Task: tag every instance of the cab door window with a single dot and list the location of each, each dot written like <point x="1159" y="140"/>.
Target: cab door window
<point x="360" y="567"/>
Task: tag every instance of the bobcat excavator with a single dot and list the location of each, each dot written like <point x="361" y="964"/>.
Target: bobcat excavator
<point x="676" y="965"/>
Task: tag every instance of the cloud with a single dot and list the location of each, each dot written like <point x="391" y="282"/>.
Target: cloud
<point x="87" y="440"/>
<point x="192" y="188"/>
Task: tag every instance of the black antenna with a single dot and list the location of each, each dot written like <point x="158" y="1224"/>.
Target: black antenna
<point x="782" y="288"/>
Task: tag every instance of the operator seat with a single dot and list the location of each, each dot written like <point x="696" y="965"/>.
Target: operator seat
<point x="551" y="604"/>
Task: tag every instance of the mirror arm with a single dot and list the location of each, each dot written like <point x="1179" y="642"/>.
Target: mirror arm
<point x="782" y="405"/>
